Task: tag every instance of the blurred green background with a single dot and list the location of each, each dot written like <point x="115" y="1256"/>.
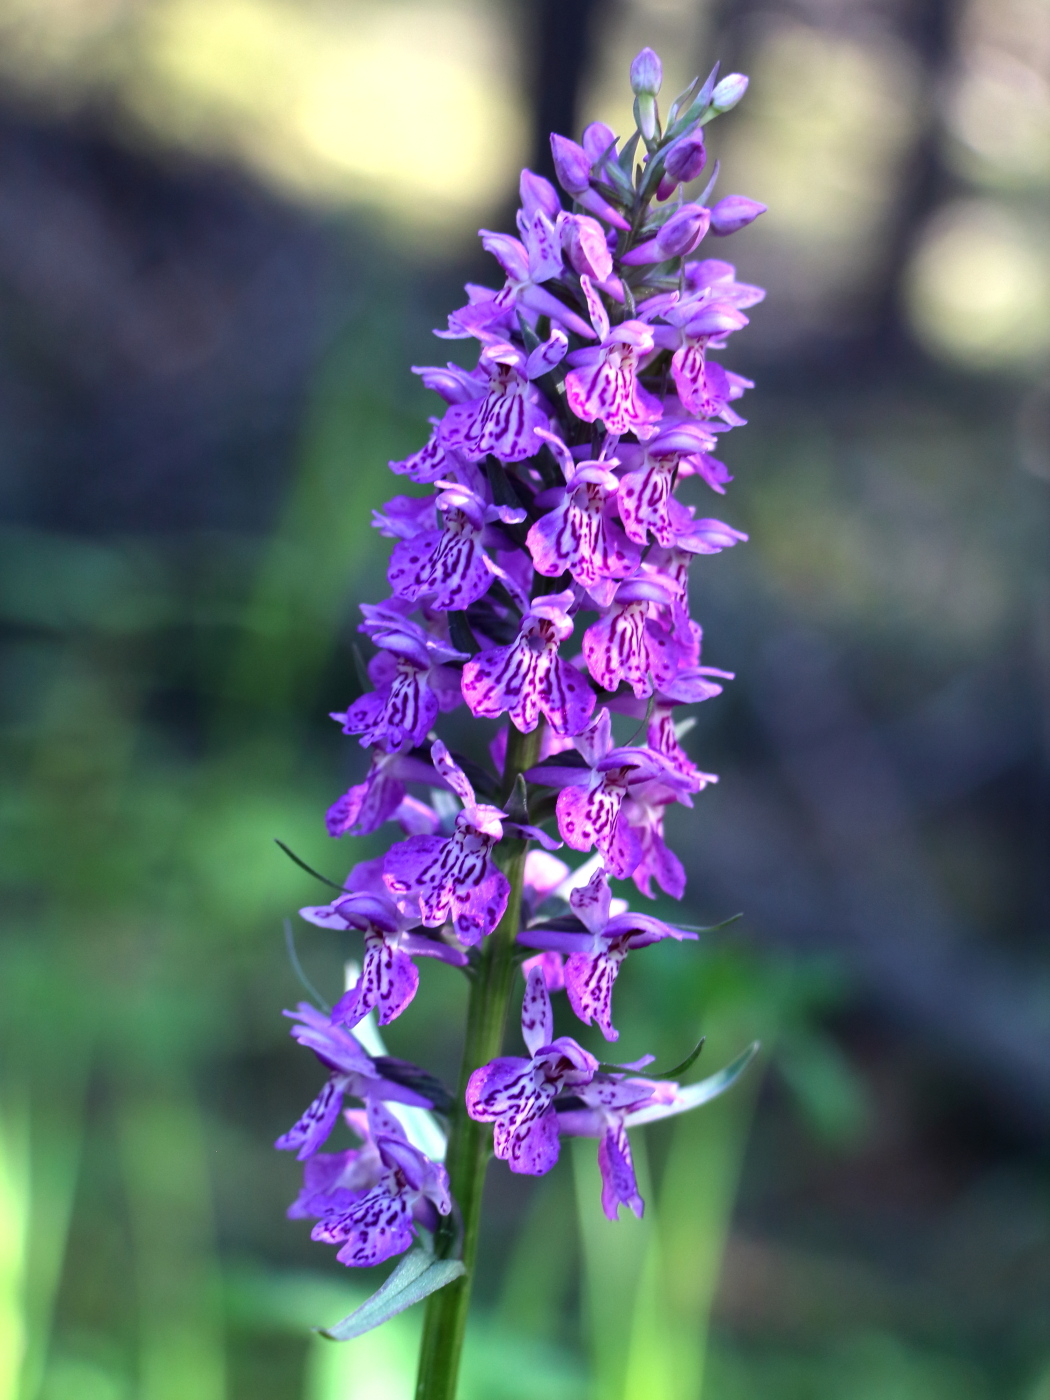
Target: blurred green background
<point x="226" y="228"/>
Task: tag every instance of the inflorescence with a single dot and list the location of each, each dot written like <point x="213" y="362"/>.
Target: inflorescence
<point x="543" y="579"/>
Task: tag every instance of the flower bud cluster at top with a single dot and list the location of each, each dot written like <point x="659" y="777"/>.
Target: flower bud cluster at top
<point x="543" y="580"/>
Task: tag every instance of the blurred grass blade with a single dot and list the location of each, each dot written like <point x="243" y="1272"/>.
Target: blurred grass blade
<point x="417" y="1276"/>
<point x="165" y="1156"/>
<point x="14" y="1226"/>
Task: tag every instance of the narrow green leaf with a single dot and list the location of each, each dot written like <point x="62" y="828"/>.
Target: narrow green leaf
<point x="333" y="884"/>
<point x="697" y="1094"/>
<point x="417" y="1276"/>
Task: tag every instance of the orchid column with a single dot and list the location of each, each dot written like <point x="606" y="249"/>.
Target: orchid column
<point x="543" y="582"/>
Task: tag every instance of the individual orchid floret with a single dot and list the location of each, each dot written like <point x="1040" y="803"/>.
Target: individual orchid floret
<point x="333" y="1181"/>
<point x="352" y="1072"/>
<point x="580" y="535"/>
<point x="632" y="642"/>
<point x="412" y="684"/>
<point x="411" y="1189"/>
<point x="533" y="260"/>
<point x="436" y="877"/>
<point x="733" y="213"/>
<point x="642" y="818"/>
<point x="684" y="162"/>
<point x="583" y="239"/>
<point x="449" y="567"/>
<point x="528" y="678"/>
<point x="604" y="383"/>
<point x="404" y="517"/>
<point x="596" y="952"/>
<point x="608" y="1101"/>
<point x="517" y="1095"/>
<point x="588" y="807"/>
<point x="370" y="803"/>
<point x="505" y="419"/>
<point x="682" y="232"/>
<point x="612" y="1103"/>
<point x="572" y="165"/>
<point x="389" y="978"/>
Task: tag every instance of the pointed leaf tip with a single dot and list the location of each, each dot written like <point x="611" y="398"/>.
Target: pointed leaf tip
<point x="417" y="1276"/>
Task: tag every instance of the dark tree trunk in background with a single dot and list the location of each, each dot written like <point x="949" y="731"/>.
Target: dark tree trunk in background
<point x="560" y="46"/>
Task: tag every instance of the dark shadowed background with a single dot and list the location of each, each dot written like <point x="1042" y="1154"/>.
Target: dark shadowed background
<point x="226" y="229"/>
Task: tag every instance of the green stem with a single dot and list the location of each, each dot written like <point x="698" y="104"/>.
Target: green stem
<point x="469" y="1144"/>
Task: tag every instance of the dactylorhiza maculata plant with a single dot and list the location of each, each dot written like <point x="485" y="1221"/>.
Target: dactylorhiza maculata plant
<point x="552" y="528"/>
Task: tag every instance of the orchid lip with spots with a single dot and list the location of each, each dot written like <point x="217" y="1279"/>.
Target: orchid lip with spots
<point x="539" y="582"/>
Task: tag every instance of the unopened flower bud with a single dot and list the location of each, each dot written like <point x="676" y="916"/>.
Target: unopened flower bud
<point x="571" y="164"/>
<point x="538" y="193"/>
<point x="729" y="91"/>
<point x="683" y="163"/>
<point x="599" y="141"/>
<point x="583" y="239"/>
<point x="646" y="74"/>
<point x="734" y="212"/>
<point x="680" y="235"/>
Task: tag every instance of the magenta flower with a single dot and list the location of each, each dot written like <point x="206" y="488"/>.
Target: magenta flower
<point x="352" y="1072"/>
<point x="638" y="639"/>
<point x="449" y="567"/>
<point x="436" y="876"/>
<point x="595" y="954"/>
<point x="389" y="978"/>
<point x="555" y="466"/>
<point x="609" y="1101"/>
<point x="333" y="1181"/>
<point x="411" y="1188"/>
<point x="368" y="804"/>
<point x="604" y="385"/>
<point x="504" y="420"/>
<point x="580" y="535"/>
<point x="529" y="678"/>
<point x="517" y="1095"/>
<point x="411" y="679"/>
<point x="589" y="805"/>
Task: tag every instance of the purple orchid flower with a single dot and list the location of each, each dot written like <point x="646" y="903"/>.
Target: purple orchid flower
<point x="352" y="1072"/>
<point x="411" y="679"/>
<point x="604" y="383"/>
<point x="640" y="638"/>
<point x="449" y="567"/>
<point x="609" y="1101"/>
<point x="389" y="978"/>
<point x="411" y="1189"/>
<point x="435" y="876"/>
<point x="333" y="1181"/>
<point x="595" y="955"/>
<point x="612" y="1103"/>
<point x="504" y="420"/>
<point x="589" y="805"/>
<point x="517" y="1095"/>
<point x="529" y="678"/>
<point x="642" y="814"/>
<point x="579" y="535"/>
<point x="370" y="803"/>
